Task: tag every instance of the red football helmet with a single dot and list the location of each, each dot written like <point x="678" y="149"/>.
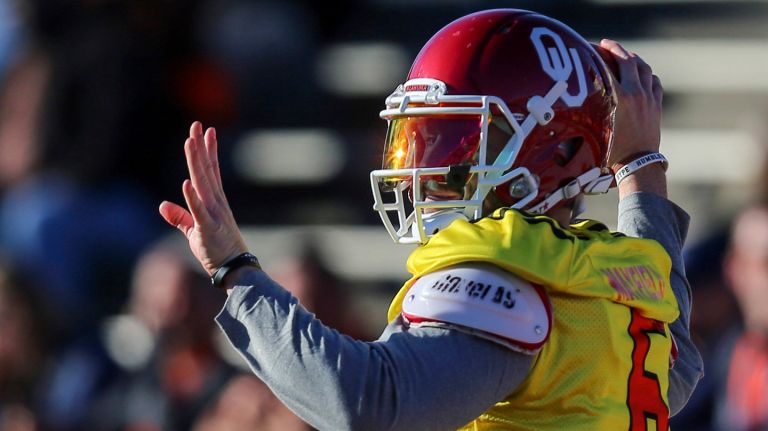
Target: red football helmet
<point x="503" y="106"/>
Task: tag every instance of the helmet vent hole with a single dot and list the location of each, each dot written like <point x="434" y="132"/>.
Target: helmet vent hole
<point x="566" y="150"/>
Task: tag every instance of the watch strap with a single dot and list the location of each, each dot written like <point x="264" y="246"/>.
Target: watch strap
<point x="244" y="259"/>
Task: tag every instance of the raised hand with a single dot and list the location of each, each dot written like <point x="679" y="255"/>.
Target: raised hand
<point x="638" y="114"/>
<point x="638" y="120"/>
<point x="209" y="225"/>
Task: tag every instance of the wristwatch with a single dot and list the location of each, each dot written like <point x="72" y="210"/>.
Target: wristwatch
<point x="245" y="259"/>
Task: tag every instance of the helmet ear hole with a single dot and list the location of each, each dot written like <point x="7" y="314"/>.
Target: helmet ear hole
<point x="566" y="150"/>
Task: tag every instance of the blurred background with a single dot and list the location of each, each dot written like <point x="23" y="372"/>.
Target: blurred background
<point x="106" y="322"/>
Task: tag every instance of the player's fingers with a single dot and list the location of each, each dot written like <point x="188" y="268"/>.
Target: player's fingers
<point x="196" y="130"/>
<point x="198" y="173"/>
<point x="198" y="211"/>
<point x="615" y="48"/>
<point x="658" y="90"/>
<point x="176" y="216"/>
<point x="211" y="146"/>
<point x="608" y="58"/>
<point x="628" y="74"/>
<point x="645" y="73"/>
<point x="212" y="176"/>
<point x="196" y="133"/>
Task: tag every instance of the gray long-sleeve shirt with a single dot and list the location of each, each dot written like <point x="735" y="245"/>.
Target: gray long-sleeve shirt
<point x="407" y="378"/>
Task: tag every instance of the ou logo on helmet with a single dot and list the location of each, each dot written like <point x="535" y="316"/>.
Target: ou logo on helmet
<point x="559" y="63"/>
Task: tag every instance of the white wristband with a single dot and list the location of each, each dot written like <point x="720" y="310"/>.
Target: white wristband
<point x="639" y="163"/>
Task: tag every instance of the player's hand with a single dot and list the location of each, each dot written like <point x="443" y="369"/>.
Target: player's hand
<point x="209" y="225"/>
<point x="638" y="114"/>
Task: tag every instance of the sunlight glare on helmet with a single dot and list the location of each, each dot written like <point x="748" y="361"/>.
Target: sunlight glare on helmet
<point x="397" y="154"/>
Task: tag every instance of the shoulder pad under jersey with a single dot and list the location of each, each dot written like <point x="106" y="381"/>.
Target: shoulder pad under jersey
<point x="484" y="300"/>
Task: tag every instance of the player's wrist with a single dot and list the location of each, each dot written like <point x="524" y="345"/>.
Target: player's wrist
<point x="626" y="160"/>
<point x="242" y="276"/>
<point x="639" y="163"/>
<point x="225" y="272"/>
<point x="650" y="179"/>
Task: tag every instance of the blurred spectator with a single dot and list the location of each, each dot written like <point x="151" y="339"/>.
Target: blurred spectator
<point x="173" y="376"/>
<point x="88" y="122"/>
<point x="321" y="292"/>
<point x="164" y="344"/>
<point x="743" y="403"/>
<point x="23" y="351"/>
<point x="93" y="97"/>
<point x="21" y="101"/>
<point x="79" y="244"/>
<point x="714" y="312"/>
<point x="247" y="404"/>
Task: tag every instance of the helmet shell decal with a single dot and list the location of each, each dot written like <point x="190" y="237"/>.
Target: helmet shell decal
<point x="558" y="62"/>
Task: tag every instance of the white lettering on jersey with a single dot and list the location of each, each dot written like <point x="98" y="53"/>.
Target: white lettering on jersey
<point x="559" y="62"/>
<point x="484" y="300"/>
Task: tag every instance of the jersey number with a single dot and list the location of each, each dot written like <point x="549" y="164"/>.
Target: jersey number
<point x="644" y="391"/>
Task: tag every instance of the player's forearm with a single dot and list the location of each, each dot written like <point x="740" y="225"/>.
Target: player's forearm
<point x="648" y="215"/>
<point x="335" y="382"/>
<point x="645" y="214"/>
<point x="292" y="353"/>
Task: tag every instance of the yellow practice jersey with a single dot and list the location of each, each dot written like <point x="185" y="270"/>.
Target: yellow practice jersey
<point x="606" y="363"/>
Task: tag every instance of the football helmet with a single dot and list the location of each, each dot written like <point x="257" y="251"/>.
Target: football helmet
<point x="506" y="107"/>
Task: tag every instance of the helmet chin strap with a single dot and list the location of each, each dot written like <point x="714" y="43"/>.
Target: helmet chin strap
<point x="590" y="182"/>
<point x="579" y="207"/>
<point x="439" y="220"/>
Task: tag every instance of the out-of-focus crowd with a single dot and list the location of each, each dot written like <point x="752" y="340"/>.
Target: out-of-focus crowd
<point x="728" y="274"/>
<point x="105" y="324"/>
<point x="158" y="364"/>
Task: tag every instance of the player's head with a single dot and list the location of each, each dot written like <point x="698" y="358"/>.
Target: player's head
<point x="501" y="108"/>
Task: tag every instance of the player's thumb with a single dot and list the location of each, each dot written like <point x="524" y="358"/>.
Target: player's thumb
<point x="176" y="216"/>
